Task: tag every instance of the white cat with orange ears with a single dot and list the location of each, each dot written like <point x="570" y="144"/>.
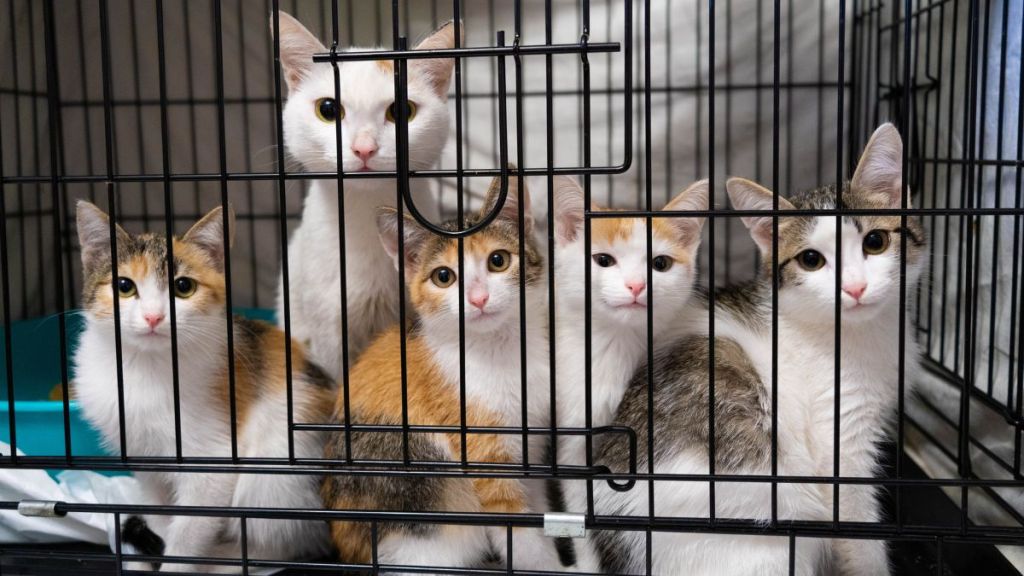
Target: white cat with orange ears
<point x="365" y="107"/>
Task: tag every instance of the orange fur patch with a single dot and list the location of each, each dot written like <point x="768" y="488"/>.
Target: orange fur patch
<point x="386" y="66"/>
<point x="375" y="394"/>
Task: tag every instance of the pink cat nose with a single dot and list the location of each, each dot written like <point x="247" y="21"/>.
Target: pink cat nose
<point x="153" y="319"/>
<point x="855" y="289"/>
<point x="636" y="286"/>
<point x="364" y="149"/>
<point x="479" y="299"/>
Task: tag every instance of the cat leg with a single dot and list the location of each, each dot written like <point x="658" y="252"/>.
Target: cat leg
<point x="280" y="539"/>
<point x="532" y="550"/>
<point x="191" y="536"/>
<point x="860" y="557"/>
<point x="436" y="546"/>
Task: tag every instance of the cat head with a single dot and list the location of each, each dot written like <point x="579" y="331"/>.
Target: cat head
<point x="141" y="285"/>
<point x="491" y="265"/>
<point x="871" y="245"/>
<point x="618" y="256"/>
<point x="366" y="105"/>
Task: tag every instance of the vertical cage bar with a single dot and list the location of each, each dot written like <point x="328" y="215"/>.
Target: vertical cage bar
<point x="5" y="301"/>
<point x="226" y="222"/>
<point x="711" y="264"/>
<point x="906" y="130"/>
<point x="838" y="294"/>
<point x="53" y="102"/>
<point x="342" y="227"/>
<point x="520" y="216"/>
<point x="283" y="223"/>
<point x="108" y="140"/>
<point x="244" y="543"/>
<point x="648" y="247"/>
<point x="461" y="218"/>
<point x="775" y="262"/>
<point x="168" y="222"/>
<point x="549" y="152"/>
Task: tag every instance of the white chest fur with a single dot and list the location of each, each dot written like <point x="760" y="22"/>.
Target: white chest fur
<point x="314" y="269"/>
<point x="494" y="377"/>
<point x="148" y="399"/>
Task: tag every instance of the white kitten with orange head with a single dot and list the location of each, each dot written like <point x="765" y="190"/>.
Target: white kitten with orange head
<point x="619" y="296"/>
<point x="365" y="106"/>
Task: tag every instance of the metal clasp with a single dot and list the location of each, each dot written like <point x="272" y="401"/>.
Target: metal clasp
<point x="42" y="508"/>
<point x="564" y="525"/>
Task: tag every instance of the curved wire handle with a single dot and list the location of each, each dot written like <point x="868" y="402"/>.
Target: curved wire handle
<point x="402" y="136"/>
<point x="626" y="485"/>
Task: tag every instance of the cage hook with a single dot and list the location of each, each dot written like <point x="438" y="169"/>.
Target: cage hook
<point x="410" y="205"/>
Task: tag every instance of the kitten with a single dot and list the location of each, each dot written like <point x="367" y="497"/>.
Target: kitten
<point x="366" y="110"/>
<point x="493" y="395"/>
<point x="202" y="353"/>
<point x="870" y="286"/>
<point x="619" y="263"/>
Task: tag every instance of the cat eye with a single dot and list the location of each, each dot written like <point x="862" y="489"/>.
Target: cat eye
<point x="662" y="263"/>
<point x="876" y="242"/>
<point x="810" y="260"/>
<point x="410" y="111"/>
<point x="126" y="288"/>
<point x="184" y="287"/>
<point x="329" y="110"/>
<point x="499" y="261"/>
<point x="604" y="260"/>
<point x="443" y="277"/>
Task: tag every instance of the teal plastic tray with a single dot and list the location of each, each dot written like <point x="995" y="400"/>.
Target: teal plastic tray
<point x="36" y="360"/>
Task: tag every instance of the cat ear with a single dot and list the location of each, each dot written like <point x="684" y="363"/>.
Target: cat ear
<point x="568" y="209"/>
<point x="415" y="235"/>
<point x="297" y="48"/>
<point x="746" y="195"/>
<point x="694" y="197"/>
<point x="439" y="72"/>
<point x="510" y="210"/>
<point x="94" y="235"/>
<point x="879" y="173"/>
<point x="208" y="234"/>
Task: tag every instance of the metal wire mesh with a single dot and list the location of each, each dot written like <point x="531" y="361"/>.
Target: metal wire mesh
<point x="158" y="111"/>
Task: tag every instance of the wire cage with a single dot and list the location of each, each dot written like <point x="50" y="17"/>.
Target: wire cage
<point x="159" y="111"/>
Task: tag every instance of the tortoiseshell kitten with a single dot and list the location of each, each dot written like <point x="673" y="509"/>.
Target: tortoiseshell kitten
<point x="260" y="380"/>
<point x="869" y="292"/>
<point x="491" y="283"/>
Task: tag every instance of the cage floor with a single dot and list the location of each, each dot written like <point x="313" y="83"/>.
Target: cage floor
<point x="908" y="558"/>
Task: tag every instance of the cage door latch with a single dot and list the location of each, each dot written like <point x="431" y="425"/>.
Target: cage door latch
<point x="42" y="508"/>
<point x="564" y="525"/>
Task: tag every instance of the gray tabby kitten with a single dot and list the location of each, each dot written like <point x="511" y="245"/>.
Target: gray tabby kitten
<point x="743" y="363"/>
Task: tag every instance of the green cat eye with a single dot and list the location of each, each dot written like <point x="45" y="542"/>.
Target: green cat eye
<point x="876" y="242"/>
<point x="810" y="260"/>
<point x="443" y="277"/>
<point x="410" y="111"/>
<point x="499" y="261"/>
<point x="126" y="288"/>
<point x="604" y="260"/>
<point x="662" y="263"/>
<point x="184" y="287"/>
<point x="329" y="110"/>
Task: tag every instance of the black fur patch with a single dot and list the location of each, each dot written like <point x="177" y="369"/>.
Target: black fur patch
<point x="136" y="532"/>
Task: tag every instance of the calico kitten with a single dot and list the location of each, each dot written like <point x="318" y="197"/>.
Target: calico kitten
<point x="260" y="381"/>
<point x="491" y="281"/>
<point x="870" y="311"/>
<point x="619" y="294"/>
<point x="366" y="110"/>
